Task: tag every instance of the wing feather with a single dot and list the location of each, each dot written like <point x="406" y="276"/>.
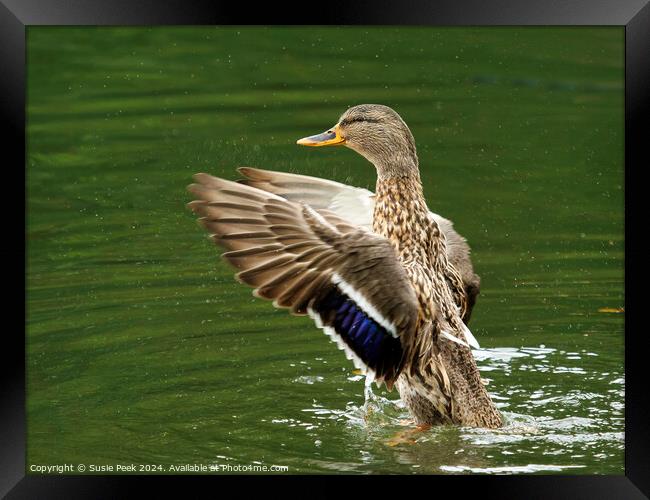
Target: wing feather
<point x="348" y="207"/>
<point x="312" y="261"/>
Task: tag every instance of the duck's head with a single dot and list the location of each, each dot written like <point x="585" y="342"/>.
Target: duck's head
<point x="376" y="132"/>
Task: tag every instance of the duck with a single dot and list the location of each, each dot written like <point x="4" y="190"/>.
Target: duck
<point x="390" y="282"/>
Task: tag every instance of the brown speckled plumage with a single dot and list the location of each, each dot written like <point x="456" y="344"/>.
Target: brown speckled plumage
<point x="303" y="242"/>
<point x="440" y="381"/>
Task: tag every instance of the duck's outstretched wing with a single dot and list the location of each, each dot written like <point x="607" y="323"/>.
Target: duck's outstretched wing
<point x="355" y="205"/>
<point x="349" y="281"/>
<point x="458" y="253"/>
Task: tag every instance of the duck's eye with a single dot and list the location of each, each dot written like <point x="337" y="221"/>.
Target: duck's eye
<point x="348" y="121"/>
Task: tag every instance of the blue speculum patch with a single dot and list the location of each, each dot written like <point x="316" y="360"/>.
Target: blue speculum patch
<point x="376" y="347"/>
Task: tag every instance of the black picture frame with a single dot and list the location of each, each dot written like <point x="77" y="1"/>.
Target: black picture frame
<point x="16" y="15"/>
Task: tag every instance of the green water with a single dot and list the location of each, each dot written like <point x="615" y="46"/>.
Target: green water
<point x="143" y="349"/>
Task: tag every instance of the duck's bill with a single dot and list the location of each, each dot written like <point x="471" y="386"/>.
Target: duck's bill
<point x="329" y="138"/>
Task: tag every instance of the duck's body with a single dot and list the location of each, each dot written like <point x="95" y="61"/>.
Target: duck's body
<point x="442" y="383"/>
<point x="386" y="286"/>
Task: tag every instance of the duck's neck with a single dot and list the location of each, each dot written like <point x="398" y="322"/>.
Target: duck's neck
<point x="397" y="164"/>
<point x="401" y="214"/>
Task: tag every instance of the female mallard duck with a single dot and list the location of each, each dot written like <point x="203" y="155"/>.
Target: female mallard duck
<point x="387" y="280"/>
